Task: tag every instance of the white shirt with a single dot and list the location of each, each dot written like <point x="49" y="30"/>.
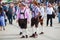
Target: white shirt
<point x="49" y="10"/>
<point x="41" y="10"/>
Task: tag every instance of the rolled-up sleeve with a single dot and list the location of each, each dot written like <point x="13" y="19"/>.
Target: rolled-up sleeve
<point x="37" y="11"/>
<point x="28" y="14"/>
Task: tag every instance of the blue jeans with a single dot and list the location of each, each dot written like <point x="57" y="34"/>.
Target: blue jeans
<point x="59" y="17"/>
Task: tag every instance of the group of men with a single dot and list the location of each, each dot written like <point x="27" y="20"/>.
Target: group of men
<point x="23" y="16"/>
<point x="23" y="12"/>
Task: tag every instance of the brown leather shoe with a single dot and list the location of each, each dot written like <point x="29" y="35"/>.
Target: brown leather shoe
<point x="36" y="35"/>
<point x="33" y="35"/>
<point x="3" y="28"/>
<point x="23" y="37"/>
<point x="26" y="36"/>
<point x="42" y="33"/>
<point x="20" y="33"/>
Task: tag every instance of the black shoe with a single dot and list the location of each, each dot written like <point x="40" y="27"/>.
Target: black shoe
<point x="50" y="25"/>
<point x="20" y="33"/>
<point x="33" y="35"/>
<point x="26" y="36"/>
<point x="59" y="22"/>
<point x="3" y="28"/>
<point x="46" y="25"/>
<point x="42" y="33"/>
<point x="23" y="37"/>
<point x="11" y="23"/>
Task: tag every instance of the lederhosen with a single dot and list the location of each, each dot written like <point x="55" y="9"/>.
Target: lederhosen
<point x="22" y="22"/>
<point x="34" y="21"/>
<point x="40" y="20"/>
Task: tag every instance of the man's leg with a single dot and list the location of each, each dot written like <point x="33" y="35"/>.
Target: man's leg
<point x="51" y="21"/>
<point x="59" y="19"/>
<point x="41" y="22"/>
<point x="23" y="35"/>
<point x="0" y="28"/>
<point x="33" y="29"/>
<point x="36" y="27"/>
<point x="47" y="19"/>
<point x="11" y="20"/>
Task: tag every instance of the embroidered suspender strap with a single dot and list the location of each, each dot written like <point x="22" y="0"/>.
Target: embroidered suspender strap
<point x="34" y="12"/>
<point x="24" y="13"/>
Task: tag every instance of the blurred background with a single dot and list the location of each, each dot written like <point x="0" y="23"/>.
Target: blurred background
<point x="45" y="1"/>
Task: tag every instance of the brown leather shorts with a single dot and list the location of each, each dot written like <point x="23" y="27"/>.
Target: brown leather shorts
<point x="40" y="20"/>
<point x="22" y="23"/>
<point x="34" y="21"/>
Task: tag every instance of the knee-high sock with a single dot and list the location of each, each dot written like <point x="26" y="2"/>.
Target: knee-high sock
<point x="41" y="29"/>
<point x="37" y="30"/>
<point x="23" y="31"/>
<point x="33" y="30"/>
<point x="26" y="33"/>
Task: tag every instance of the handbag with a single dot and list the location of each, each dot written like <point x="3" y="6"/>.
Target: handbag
<point x="53" y="15"/>
<point x="5" y="20"/>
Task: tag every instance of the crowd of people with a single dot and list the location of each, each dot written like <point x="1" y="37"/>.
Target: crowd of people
<point x="21" y="13"/>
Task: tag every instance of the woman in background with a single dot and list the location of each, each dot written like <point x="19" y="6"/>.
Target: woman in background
<point x="10" y="13"/>
<point x="59" y="13"/>
<point x="49" y="14"/>
<point x="2" y="20"/>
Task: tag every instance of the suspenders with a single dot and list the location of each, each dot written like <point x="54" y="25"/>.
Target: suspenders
<point x="34" y="12"/>
<point x="23" y="13"/>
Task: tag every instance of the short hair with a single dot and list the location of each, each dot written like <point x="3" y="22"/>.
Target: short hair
<point x="38" y="3"/>
<point x="34" y="2"/>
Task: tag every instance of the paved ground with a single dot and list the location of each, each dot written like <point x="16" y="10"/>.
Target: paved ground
<point x="12" y="32"/>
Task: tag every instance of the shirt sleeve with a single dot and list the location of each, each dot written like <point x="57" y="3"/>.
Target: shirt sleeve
<point x="17" y="12"/>
<point x="42" y="12"/>
<point x="28" y="14"/>
<point x="37" y="11"/>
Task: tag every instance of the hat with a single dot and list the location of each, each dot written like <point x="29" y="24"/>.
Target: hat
<point x="24" y="4"/>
